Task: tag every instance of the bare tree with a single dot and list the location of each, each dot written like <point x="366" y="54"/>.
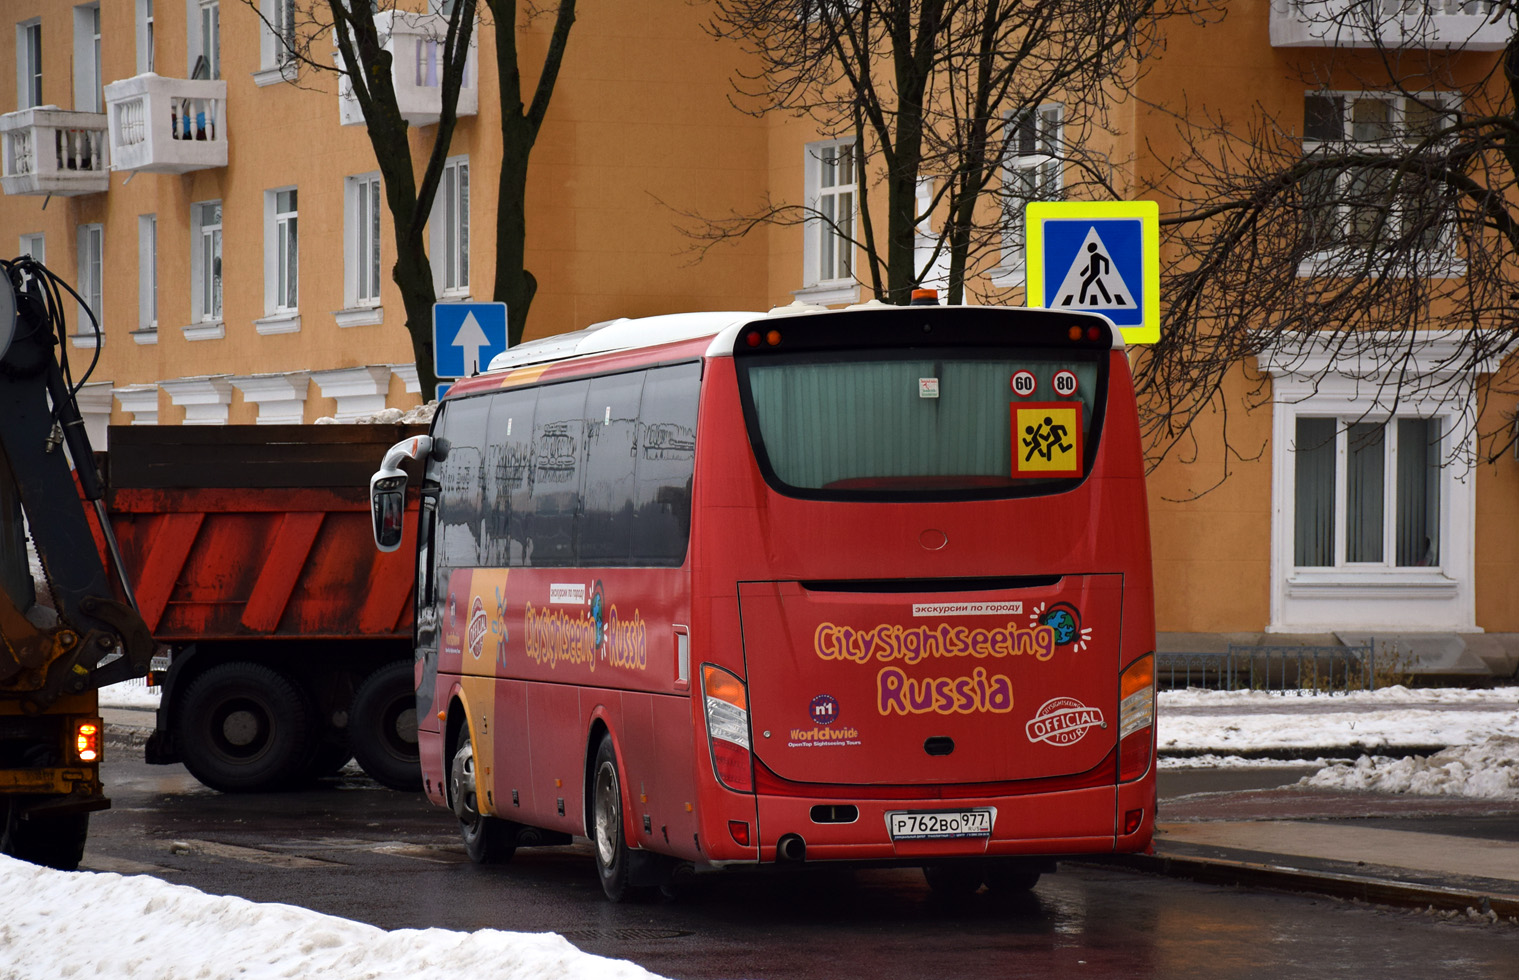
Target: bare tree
<point x="937" y="95"/>
<point x="1386" y="210"/>
<point x="303" y="26"/>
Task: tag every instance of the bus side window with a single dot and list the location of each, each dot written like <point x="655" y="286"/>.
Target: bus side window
<point x="460" y="484"/>
<point x="508" y="491"/>
<point x="558" y="463"/>
<point x="611" y="436"/>
<point x="666" y="463"/>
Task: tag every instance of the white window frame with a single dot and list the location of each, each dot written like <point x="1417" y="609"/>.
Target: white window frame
<point x="448" y="230"/>
<point x="147" y="272"/>
<point x="35" y="245"/>
<point x="203" y="36"/>
<point x="822" y="243"/>
<point x="282" y="281"/>
<point x="1309" y="380"/>
<point x="363" y="266"/>
<point x="276" y="61"/>
<point x="29" y="64"/>
<point x="91" y="247"/>
<point x="87" y="80"/>
<point x="1440" y="260"/>
<point x="145" y="25"/>
<point x="207" y="270"/>
<point x="1033" y="169"/>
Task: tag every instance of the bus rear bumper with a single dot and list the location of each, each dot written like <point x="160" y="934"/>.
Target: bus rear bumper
<point x="1068" y="822"/>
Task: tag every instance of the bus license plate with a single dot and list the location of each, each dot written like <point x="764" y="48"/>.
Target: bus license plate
<point x="938" y="824"/>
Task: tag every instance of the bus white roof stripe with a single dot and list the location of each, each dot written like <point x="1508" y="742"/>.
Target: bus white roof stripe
<point x="620" y="334"/>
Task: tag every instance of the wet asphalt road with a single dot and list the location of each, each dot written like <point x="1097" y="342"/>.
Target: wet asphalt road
<point x="353" y="849"/>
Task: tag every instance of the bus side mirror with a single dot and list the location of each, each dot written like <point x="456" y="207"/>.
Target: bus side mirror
<point x="387" y="491"/>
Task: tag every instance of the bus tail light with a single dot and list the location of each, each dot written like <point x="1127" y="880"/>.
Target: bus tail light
<point x="87" y="740"/>
<point x="726" y="703"/>
<point x="1136" y="718"/>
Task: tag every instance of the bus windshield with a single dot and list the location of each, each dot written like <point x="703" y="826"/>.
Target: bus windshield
<point x="925" y="424"/>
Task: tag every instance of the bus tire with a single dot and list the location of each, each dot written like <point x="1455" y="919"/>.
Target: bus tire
<point x="487" y="840"/>
<point x="245" y="728"/>
<point x="607" y="832"/>
<point x="382" y="727"/>
<point x="1009" y="878"/>
<point x="954" y="879"/>
<point x="52" y="842"/>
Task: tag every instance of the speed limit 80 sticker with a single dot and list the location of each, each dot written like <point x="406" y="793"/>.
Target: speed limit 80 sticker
<point x="1064" y="383"/>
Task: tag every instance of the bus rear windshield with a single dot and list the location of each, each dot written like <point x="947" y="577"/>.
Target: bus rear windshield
<point x="916" y="424"/>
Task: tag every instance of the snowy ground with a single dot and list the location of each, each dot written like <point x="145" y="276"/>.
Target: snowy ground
<point x="95" y="921"/>
<point x="109" y="926"/>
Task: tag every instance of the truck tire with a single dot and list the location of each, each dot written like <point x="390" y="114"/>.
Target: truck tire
<point x="245" y="728"/>
<point x="53" y="842"/>
<point x="382" y="727"/>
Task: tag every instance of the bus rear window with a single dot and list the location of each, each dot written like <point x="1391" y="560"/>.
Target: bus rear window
<point x="920" y="424"/>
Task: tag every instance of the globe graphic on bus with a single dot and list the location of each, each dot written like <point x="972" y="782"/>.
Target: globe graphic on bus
<point x="1063" y="620"/>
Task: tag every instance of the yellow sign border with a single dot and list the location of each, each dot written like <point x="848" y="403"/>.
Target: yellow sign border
<point x="1036" y="213"/>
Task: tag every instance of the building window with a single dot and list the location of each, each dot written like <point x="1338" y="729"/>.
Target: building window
<point x="281" y="251"/>
<point x="1031" y="171"/>
<point x="277" y="41"/>
<point x="35" y="245"/>
<point x="144" y="36"/>
<point x="450" y="229"/>
<point x="830" y="174"/>
<point x="147" y="272"/>
<point x="362" y="270"/>
<point x="87" y="81"/>
<point x="1356" y="207"/>
<point x="206" y="260"/>
<point x="204" y="36"/>
<point x="29" y="64"/>
<point x="91" y="267"/>
<point x="1367" y="492"/>
<point x="1372" y="486"/>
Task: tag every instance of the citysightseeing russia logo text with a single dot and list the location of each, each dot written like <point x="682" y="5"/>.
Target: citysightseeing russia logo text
<point x="557" y="636"/>
<point x="911" y="644"/>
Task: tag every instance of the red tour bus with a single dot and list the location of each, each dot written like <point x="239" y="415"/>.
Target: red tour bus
<point x="732" y="589"/>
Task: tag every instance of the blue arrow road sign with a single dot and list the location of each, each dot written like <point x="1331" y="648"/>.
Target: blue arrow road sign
<point x="465" y="336"/>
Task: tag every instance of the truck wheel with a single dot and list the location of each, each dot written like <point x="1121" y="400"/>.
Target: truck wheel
<point x="245" y="728"/>
<point x="53" y="842"/>
<point x="606" y="828"/>
<point x="382" y="726"/>
<point x="487" y="840"/>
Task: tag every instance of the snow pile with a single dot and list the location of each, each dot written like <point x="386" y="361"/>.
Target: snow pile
<point x="1489" y="770"/>
<point x="80" y="924"/>
<point x="1238" y="722"/>
<point x="421" y="415"/>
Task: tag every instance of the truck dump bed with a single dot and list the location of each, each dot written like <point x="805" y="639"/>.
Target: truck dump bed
<point x="237" y="532"/>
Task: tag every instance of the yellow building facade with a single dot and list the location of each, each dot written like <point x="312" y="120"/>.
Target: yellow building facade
<point x="220" y="204"/>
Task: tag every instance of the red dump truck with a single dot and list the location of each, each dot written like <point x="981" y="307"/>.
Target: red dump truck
<point x="289" y="635"/>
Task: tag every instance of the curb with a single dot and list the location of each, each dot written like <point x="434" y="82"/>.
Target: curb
<point x="1379" y="891"/>
<point x="1305" y="753"/>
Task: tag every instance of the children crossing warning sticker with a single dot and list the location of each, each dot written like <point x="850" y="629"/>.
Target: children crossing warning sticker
<point x="1047" y="439"/>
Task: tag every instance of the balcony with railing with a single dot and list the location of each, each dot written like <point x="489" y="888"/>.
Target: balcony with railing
<point x="415" y="42"/>
<point x="48" y="150"/>
<point x="167" y="125"/>
<point x="1408" y="24"/>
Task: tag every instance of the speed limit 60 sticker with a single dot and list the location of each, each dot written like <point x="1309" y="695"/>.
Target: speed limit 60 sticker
<point x="1024" y="383"/>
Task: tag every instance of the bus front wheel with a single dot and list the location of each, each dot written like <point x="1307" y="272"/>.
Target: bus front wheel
<point x="487" y="840"/>
<point x="607" y="826"/>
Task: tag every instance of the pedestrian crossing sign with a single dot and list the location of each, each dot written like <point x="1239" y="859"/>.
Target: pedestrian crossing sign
<point x="1047" y="439"/>
<point x="1096" y="256"/>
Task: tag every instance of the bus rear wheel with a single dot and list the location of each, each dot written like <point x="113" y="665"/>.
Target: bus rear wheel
<point x="606" y="828"/>
<point x="487" y="840"/>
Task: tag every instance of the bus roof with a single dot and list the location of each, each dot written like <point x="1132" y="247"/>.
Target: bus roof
<point x="624" y="333"/>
